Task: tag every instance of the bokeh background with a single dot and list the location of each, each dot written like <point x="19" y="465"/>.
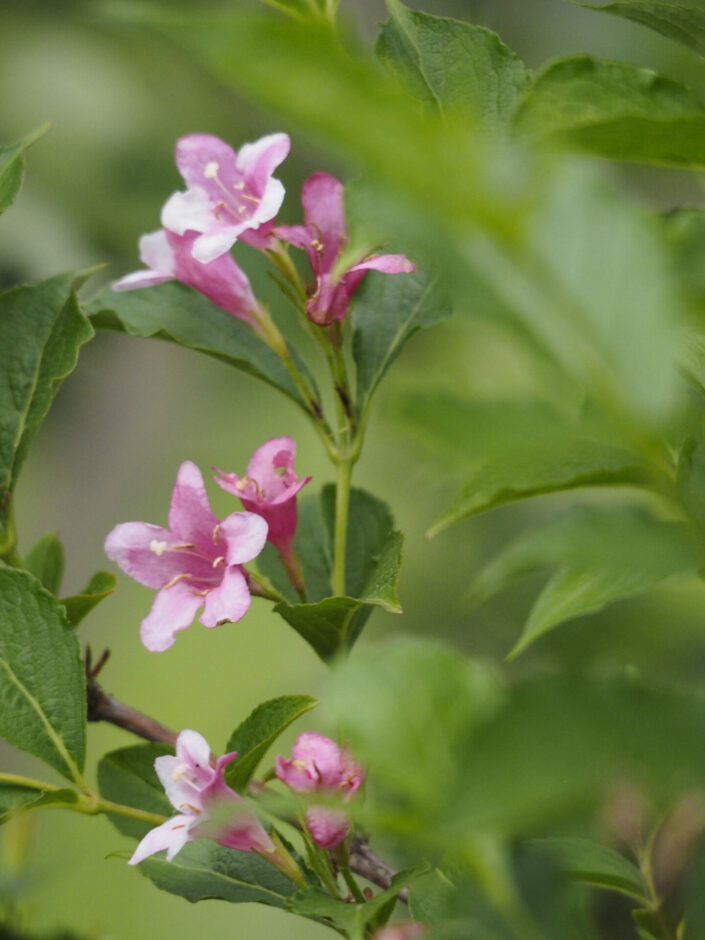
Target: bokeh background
<point x="133" y="410"/>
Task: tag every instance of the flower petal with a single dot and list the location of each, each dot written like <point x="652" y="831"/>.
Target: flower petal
<point x="157" y="253"/>
<point x="258" y="160"/>
<point x="215" y="243"/>
<point x="173" y="610"/>
<point x="322" y="199"/>
<point x="171" y="835"/>
<point x="328" y="827"/>
<point x="388" y="264"/>
<point x="193" y="750"/>
<point x="140" y="279"/>
<point x="189" y="211"/>
<point x="194" y="152"/>
<point x="142" y="551"/>
<point x="228" y="602"/>
<point x="182" y="791"/>
<point x="244" y="534"/>
<point x="190" y="515"/>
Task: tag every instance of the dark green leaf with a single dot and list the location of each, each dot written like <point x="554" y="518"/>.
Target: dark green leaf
<point x="595" y="864"/>
<point x="78" y="606"/>
<point x="432" y="897"/>
<point x="681" y="22"/>
<point x="253" y="738"/>
<point x="204" y="870"/>
<point x="388" y="310"/>
<point x="12" y="166"/>
<point x="615" y="110"/>
<point x="452" y="65"/>
<point x="330" y="626"/>
<point x="42" y="682"/>
<point x="695" y="898"/>
<point x="41" y="331"/>
<point x="598" y="557"/>
<point x="127" y="776"/>
<point x="45" y="560"/>
<point x="174" y="312"/>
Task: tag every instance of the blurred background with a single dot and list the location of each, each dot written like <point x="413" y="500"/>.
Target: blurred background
<point x="134" y="410"/>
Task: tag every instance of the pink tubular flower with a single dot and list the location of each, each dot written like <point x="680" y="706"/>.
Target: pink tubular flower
<point x="411" y="930"/>
<point x="168" y="257"/>
<point x="318" y="765"/>
<point x="230" y="194"/>
<point x="197" y="561"/>
<point x="197" y="790"/>
<point x="323" y="236"/>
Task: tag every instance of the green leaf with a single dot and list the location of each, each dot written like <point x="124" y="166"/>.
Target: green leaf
<point x="595" y="864"/>
<point x="599" y="557"/>
<point x="431" y="897"/>
<point x="330" y="626"/>
<point x="45" y="561"/>
<point x="685" y="233"/>
<point x="176" y="313"/>
<point x="78" y="606"/>
<point x="255" y="735"/>
<point x="388" y="310"/>
<point x="12" y="166"/>
<point x="13" y="796"/>
<point x="678" y="21"/>
<point x="452" y="65"/>
<point x="204" y="870"/>
<point x="41" y="331"/>
<point x="615" y="110"/>
<point x="127" y="776"/>
<point x="42" y="682"/>
<point x="695" y="898"/>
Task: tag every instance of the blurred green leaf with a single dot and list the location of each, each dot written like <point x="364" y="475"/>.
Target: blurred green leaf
<point x="685" y="234"/>
<point x="615" y="110"/>
<point x="78" y="606"/>
<point x="176" y="313"/>
<point x="41" y="331"/>
<point x="127" y="776"/>
<point x="694" y="917"/>
<point x="679" y="21"/>
<point x="13" y="795"/>
<point x="45" y="560"/>
<point x="12" y="166"/>
<point x="596" y="865"/>
<point x="42" y="682"/>
<point x="450" y="64"/>
<point x="599" y="556"/>
<point x="255" y="735"/>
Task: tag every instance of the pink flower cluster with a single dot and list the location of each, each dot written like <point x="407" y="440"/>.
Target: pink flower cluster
<point x="232" y="195"/>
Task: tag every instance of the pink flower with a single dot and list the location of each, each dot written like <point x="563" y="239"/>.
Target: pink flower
<point x="168" y="257"/>
<point x="269" y="489"/>
<point x="197" y="561"/>
<point x="412" y="930"/>
<point x="323" y="236"/>
<point x="319" y="766"/>
<point x="197" y="790"/>
<point x="230" y="194"/>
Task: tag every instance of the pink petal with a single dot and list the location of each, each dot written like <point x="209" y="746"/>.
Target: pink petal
<point x="257" y="161"/>
<point x="244" y="535"/>
<point x="189" y="211"/>
<point x="140" y="279"/>
<point x="216" y="242"/>
<point x="388" y="264"/>
<point x="193" y="750"/>
<point x="157" y="253"/>
<point x="228" y="602"/>
<point x="190" y="515"/>
<point x="279" y="452"/>
<point x="328" y="827"/>
<point x="171" y="835"/>
<point x="297" y="235"/>
<point x="298" y="779"/>
<point x="322" y="754"/>
<point x="173" y="610"/>
<point x="194" y="152"/>
<point x="180" y="786"/>
<point x="142" y="551"/>
<point x="322" y="199"/>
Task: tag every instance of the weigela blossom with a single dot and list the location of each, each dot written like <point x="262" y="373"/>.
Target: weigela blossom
<point x="319" y="766"/>
<point x="323" y="236"/>
<point x="269" y="488"/>
<point x="197" y="790"/>
<point x="196" y="562"/>
<point x="168" y="257"/>
<point x="230" y="194"/>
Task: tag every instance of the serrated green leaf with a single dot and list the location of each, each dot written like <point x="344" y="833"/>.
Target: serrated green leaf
<point x="388" y="310"/>
<point x="615" y="110"/>
<point x="78" y="606"/>
<point x="255" y="735"/>
<point x="42" y="681"/>
<point x="12" y="166"/>
<point x="176" y="313"/>
<point x="595" y="864"/>
<point x="598" y="557"/>
<point x="127" y="776"/>
<point x="41" y="330"/>
<point x="452" y="65"/>
<point x="681" y="22"/>
<point x="330" y="626"/>
<point x="45" y="560"/>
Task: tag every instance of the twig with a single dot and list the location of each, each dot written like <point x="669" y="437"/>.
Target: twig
<point x="365" y="862"/>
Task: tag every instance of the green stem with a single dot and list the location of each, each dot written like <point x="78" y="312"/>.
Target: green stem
<point x="352" y="884"/>
<point x="342" y="504"/>
<point x="282" y="860"/>
<point x="118" y="809"/>
<point x="18" y="781"/>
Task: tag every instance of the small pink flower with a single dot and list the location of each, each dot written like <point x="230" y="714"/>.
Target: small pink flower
<point x="323" y="236"/>
<point x="197" y="790"/>
<point x="196" y="562"/>
<point x="319" y="766"/>
<point x="230" y="194"/>
<point x="168" y="257"/>
<point x="412" y="930"/>
<point x="269" y="489"/>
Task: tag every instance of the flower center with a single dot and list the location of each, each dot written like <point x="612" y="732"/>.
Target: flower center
<point x="236" y="202"/>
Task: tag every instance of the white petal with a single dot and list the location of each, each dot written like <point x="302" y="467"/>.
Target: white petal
<point x="189" y="211"/>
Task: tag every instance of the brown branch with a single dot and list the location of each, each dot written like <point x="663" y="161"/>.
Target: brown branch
<point x="365" y="862"/>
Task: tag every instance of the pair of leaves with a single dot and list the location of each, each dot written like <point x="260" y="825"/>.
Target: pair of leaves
<point x="373" y="558"/>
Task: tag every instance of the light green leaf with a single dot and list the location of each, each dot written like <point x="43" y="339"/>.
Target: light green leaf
<point x="255" y="735"/>
<point x="615" y="110"/>
<point x="12" y="166"/>
<point x="13" y="796"/>
<point x="595" y="864"/>
<point x="45" y="560"/>
<point x="452" y="65"/>
<point x="181" y="315"/>
<point x="127" y="776"/>
<point x="681" y="22"/>
<point x="78" y="606"/>
<point x="41" y="331"/>
<point x="598" y="556"/>
<point x="42" y="682"/>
